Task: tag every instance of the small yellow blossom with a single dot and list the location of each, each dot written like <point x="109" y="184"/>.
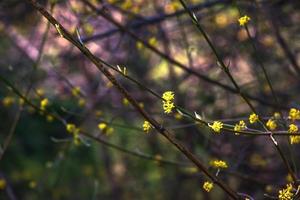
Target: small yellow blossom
<point x="240" y="126"/>
<point x="125" y="102"/>
<point x="81" y="102"/>
<point x="139" y="45"/>
<point x="294" y="139"/>
<point x="102" y="126"/>
<point x="244" y="20"/>
<point x="88" y="29"/>
<point x="208" y="186"/>
<point x="146" y="126"/>
<point x="44" y="103"/>
<point x="293" y="128"/>
<point x="168" y="98"/>
<point x="76" y="91"/>
<point x="253" y="118"/>
<point x="277" y="115"/>
<point x="218" y="164"/>
<point x="286" y="193"/>
<point x="152" y="41"/>
<point x="141" y="104"/>
<point x="168" y="107"/>
<point x="49" y="118"/>
<point x="2" y="184"/>
<point x="178" y="116"/>
<point x="70" y="128"/>
<point x="76" y="137"/>
<point x="294" y="114"/>
<point x="271" y="124"/>
<point x="216" y="126"/>
<point x="40" y="92"/>
<point x="8" y="101"/>
<point x="21" y="101"/>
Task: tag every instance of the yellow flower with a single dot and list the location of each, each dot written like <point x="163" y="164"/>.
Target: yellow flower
<point x="208" y="186"/>
<point x="70" y="128"/>
<point x="295" y="139"/>
<point x="293" y="128"/>
<point x="44" y="103"/>
<point x="141" y="104"/>
<point x="276" y="115"/>
<point x="286" y="193"/>
<point x="8" y="101"/>
<point x="76" y="137"/>
<point x="139" y="45"/>
<point x="244" y="20"/>
<point x="146" y="126"/>
<point x="40" y="92"/>
<point x="294" y="114"/>
<point x="21" y="101"/>
<point x="152" y="41"/>
<point x="2" y="184"/>
<point x="76" y="91"/>
<point x="49" y="118"/>
<point x="102" y="126"/>
<point x="253" y="118"/>
<point x="178" y="116"/>
<point x="218" y="164"/>
<point x="125" y="102"/>
<point x="271" y="124"/>
<point x="240" y="126"/>
<point x="168" y="98"/>
<point x="216" y="126"/>
<point x="168" y="107"/>
<point x="81" y="102"/>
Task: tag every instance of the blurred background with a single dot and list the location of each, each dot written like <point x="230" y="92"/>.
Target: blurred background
<point x="160" y="47"/>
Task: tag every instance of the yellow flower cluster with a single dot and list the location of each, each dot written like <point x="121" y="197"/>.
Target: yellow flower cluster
<point x="271" y="124"/>
<point x="76" y="91"/>
<point x="286" y="193"/>
<point x="294" y="139"/>
<point x="216" y="126"/>
<point x="240" y="126"/>
<point x="44" y="103"/>
<point x="71" y="128"/>
<point x="105" y="129"/>
<point x="253" y="118"/>
<point x="244" y="20"/>
<point x="146" y="126"/>
<point x="293" y="128"/>
<point x="208" y="186"/>
<point x="168" y="104"/>
<point x="218" y="164"/>
<point x="294" y="114"/>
